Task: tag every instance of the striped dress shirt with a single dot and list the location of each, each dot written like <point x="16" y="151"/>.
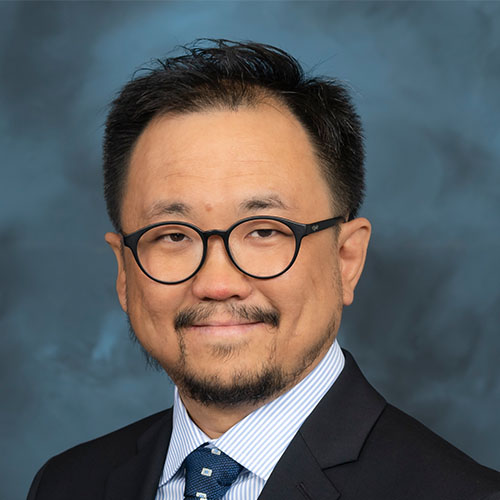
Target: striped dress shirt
<point x="258" y="441"/>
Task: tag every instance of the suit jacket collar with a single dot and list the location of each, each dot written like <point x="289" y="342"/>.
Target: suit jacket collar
<point x="333" y="434"/>
<point x="340" y="424"/>
<point x="137" y="478"/>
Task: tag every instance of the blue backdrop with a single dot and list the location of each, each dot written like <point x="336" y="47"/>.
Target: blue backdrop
<point x="424" y="325"/>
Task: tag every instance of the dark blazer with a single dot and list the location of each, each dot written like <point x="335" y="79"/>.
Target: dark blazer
<point x="353" y="446"/>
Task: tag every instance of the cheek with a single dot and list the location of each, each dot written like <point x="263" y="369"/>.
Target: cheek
<point x="315" y="275"/>
<point x="307" y="297"/>
<point x="151" y="308"/>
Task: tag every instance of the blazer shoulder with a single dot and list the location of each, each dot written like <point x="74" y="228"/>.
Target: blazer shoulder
<point x="399" y="427"/>
<point x="119" y="441"/>
<point x="422" y="463"/>
<point x="93" y="460"/>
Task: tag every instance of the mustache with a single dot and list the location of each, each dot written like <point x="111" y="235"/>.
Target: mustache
<point x="193" y="315"/>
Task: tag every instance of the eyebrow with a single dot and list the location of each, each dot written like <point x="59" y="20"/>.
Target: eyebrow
<point x="260" y="203"/>
<point x="168" y="208"/>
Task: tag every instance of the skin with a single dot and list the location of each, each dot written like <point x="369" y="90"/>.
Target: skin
<point x="213" y="162"/>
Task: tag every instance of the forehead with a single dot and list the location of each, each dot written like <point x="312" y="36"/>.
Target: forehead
<point x="217" y="159"/>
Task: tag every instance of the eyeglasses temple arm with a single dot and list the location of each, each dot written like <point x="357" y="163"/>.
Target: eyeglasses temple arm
<point x="323" y="224"/>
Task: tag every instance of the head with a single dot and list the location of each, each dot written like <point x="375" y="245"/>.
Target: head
<point x="222" y="133"/>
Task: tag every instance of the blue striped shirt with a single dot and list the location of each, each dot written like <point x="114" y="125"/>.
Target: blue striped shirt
<point x="258" y="441"/>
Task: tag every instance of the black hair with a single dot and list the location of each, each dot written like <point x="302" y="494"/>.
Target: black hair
<point x="222" y="74"/>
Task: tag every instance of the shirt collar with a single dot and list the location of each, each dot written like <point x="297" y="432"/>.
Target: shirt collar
<point x="259" y="440"/>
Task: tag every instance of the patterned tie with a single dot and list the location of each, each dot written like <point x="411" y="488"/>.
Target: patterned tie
<point x="209" y="474"/>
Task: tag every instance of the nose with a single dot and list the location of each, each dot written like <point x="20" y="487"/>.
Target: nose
<point x="219" y="279"/>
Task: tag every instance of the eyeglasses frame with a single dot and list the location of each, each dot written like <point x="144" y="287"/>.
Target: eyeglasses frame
<point x="299" y="230"/>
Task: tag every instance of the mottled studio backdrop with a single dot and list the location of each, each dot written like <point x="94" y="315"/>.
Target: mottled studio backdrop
<point x="425" y="323"/>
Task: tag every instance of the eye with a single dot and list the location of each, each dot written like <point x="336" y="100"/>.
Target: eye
<point x="263" y="233"/>
<point x="174" y="237"/>
<point x="171" y="236"/>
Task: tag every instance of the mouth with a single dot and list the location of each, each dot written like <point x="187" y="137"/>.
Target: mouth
<point x="224" y="329"/>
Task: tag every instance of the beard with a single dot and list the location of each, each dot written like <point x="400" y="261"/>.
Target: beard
<point x="249" y="387"/>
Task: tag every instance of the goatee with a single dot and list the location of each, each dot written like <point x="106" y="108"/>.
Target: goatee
<point x="245" y="387"/>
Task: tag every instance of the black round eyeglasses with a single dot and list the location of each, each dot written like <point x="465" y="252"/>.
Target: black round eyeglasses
<point x="261" y="247"/>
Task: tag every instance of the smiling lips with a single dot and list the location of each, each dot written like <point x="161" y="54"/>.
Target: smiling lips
<point x="224" y="328"/>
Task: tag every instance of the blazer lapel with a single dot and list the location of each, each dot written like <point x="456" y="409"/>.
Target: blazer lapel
<point x="338" y="427"/>
<point x="332" y="435"/>
<point x="137" y="478"/>
<point x="298" y="476"/>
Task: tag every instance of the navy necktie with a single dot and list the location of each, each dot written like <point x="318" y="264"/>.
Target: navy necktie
<point x="209" y="474"/>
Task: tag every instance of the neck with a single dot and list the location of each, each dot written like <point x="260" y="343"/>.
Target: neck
<point x="215" y="421"/>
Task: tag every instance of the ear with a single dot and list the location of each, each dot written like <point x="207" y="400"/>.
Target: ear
<point x="352" y="246"/>
<point x="114" y="240"/>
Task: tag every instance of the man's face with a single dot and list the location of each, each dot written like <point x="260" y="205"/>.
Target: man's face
<point x="245" y="338"/>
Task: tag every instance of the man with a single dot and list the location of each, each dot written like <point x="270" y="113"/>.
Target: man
<point x="233" y="182"/>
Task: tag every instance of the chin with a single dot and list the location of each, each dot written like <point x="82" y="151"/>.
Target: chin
<point x="239" y="388"/>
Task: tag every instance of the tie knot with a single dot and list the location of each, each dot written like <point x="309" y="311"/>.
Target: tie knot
<point x="209" y="473"/>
